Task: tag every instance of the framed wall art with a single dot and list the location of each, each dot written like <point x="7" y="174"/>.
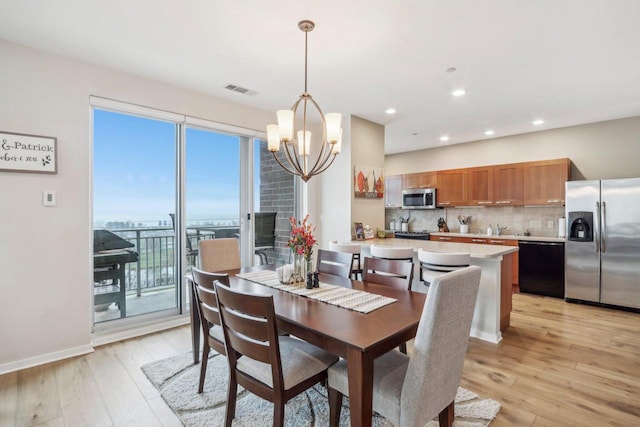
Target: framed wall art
<point x="368" y="182"/>
<point x="21" y="152"/>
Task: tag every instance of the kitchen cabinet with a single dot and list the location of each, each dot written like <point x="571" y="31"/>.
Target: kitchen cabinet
<point x="480" y="240"/>
<point x="507" y="187"/>
<point x="418" y="180"/>
<point x="393" y="191"/>
<point x="544" y="181"/>
<point x="480" y="186"/>
<point x="451" y="188"/>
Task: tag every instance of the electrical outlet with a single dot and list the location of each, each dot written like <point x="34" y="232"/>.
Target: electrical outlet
<point x="550" y="224"/>
<point x="535" y="224"/>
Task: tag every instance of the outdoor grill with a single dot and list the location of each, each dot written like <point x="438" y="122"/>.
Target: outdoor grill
<point x="111" y="253"/>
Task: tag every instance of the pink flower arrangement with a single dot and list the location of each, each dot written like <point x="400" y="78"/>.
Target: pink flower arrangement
<point x="302" y="240"/>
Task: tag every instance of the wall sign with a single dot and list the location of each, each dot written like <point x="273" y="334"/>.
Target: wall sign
<point x="27" y="153"/>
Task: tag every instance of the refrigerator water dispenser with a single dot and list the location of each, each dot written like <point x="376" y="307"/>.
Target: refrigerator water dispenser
<point x="581" y="226"/>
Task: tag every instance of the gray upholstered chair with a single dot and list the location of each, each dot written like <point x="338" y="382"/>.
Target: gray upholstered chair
<point x="411" y="391"/>
<point x="219" y="254"/>
<point x="276" y="368"/>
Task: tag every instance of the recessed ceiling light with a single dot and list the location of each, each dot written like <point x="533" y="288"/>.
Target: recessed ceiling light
<point x="444" y="138"/>
<point x="458" y="92"/>
<point x="390" y="111"/>
<point x="489" y="132"/>
<point x="538" y="122"/>
<point x="451" y="70"/>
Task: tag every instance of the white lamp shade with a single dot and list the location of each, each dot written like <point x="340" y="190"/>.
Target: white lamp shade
<point x="273" y="138"/>
<point x="285" y="124"/>
<point x="335" y="149"/>
<point x="333" y="121"/>
<point x="304" y="142"/>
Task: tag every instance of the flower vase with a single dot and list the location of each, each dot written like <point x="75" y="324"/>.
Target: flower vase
<point x="299" y="274"/>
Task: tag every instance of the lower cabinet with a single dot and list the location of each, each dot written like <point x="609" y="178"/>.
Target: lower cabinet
<point x="486" y="241"/>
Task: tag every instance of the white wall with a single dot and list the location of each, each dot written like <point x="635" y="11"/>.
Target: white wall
<point x="601" y="150"/>
<point x="45" y="253"/>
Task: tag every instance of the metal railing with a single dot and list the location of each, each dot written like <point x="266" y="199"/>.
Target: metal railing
<point x="156" y="265"/>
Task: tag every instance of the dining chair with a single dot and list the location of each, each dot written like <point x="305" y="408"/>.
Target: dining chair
<point x="412" y="390"/>
<point x="275" y="368"/>
<point x="219" y="254"/>
<point x="209" y="316"/>
<point x="335" y="263"/>
<point x="265" y="234"/>
<point x="191" y="254"/>
<point x="389" y="272"/>
<point x="435" y="264"/>
<point x="352" y="248"/>
<point x="393" y="253"/>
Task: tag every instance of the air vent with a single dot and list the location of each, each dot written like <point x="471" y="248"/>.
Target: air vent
<point x="240" y="89"/>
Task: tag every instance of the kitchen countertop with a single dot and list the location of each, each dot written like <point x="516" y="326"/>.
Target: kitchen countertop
<point x="502" y="236"/>
<point x="475" y="250"/>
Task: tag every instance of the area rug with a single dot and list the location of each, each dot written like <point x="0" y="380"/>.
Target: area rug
<point x="177" y="380"/>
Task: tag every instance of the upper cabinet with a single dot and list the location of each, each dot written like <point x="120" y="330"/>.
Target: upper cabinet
<point x="507" y="188"/>
<point x="418" y="180"/>
<point x="393" y="191"/>
<point x="480" y="186"/>
<point x="544" y="181"/>
<point x="451" y="188"/>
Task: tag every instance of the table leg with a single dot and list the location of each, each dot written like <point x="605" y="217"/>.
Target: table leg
<point x="195" y="321"/>
<point x="360" y="373"/>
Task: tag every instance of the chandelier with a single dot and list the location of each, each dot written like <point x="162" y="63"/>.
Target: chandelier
<point x="297" y="150"/>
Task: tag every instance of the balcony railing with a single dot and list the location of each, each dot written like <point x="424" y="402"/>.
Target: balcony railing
<point x="155" y="268"/>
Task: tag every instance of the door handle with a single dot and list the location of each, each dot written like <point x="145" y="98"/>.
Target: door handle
<point x="604" y="227"/>
<point x="596" y="228"/>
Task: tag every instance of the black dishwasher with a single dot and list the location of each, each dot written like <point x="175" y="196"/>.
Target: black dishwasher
<point x="541" y="268"/>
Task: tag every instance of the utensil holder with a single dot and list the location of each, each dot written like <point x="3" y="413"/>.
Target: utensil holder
<point x="464" y="228"/>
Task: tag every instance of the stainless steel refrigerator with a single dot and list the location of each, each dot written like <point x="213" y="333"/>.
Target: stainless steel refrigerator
<point x="602" y="256"/>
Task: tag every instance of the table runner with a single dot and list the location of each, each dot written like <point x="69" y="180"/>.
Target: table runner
<point x="352" y="299"/>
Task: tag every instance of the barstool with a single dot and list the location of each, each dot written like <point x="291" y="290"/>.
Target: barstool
<point x="397" y="253"/>
<point x="434" y="264"/>
<point x="350" y="248"/>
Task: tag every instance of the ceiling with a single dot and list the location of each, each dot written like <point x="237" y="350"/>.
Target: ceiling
<point x="567" y="62"/>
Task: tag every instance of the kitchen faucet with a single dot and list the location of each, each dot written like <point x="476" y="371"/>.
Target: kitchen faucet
<point x="499" y="229"/>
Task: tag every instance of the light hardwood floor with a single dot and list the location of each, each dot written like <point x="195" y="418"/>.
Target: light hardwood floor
<point x="559" y="364"/>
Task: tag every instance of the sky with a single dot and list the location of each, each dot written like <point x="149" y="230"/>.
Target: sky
<point x="135" y="169"/>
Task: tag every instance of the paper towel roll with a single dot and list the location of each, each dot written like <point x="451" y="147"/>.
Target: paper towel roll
<point x="562" y="227"/>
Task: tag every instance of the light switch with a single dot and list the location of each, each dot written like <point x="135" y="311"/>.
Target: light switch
<point x="48" y="198"/>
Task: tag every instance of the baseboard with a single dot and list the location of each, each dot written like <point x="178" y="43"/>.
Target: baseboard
<point x="45" y="358"/>
<point x="486" y="336"/>
<point x="111" y="336"/>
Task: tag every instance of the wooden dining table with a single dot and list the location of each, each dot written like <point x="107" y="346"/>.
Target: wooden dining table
<point x="357" y="337"/>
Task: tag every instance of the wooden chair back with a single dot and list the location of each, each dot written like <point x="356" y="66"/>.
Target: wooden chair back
<point x="335" y="263"/>
<point x="388" y="271"/>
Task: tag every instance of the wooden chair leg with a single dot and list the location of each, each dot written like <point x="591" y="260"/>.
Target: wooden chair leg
<point x="203" y="364"/>
<point x="278" y="413"/>
<point x="446" y="415"/>
<point x="232" y="392"/>
<point x="335" y="407"/>
<point x="403" y="348"/>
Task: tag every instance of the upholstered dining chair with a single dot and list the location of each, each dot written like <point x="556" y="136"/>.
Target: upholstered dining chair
<point x="335" y="263"/>
<point x="395" y="253"/>
<point x="352" y="248"/>
<point x="209" y="316"/>
<point x="389" y="272"/>
<point x="219" y="254"/>
<point x="410" y="391"/>
<point x="275" y="368"/>
<point x="434" y="264"/>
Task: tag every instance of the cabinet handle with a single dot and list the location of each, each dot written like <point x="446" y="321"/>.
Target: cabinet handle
<point x="484" y="203"/>
<point x="496" y="242"/>
<point x="444" y="238"/>
<point x="554" y="201"/>
<point x="503" y="202"/>
<point x="479" y="240"/>
<point x="444" y="203"/>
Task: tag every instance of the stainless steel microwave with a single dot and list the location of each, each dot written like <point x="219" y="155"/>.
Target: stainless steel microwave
<point x="419" y="198"/>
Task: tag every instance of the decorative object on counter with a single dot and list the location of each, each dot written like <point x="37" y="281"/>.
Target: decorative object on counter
<point x="368" y="232"/>
<point x="526" y="232"/>
<point x="359" y="230"/>
<point x="301" y="244"/>
<point x="489" y="230"/>
<point x="368" y="182"/>
<point x="499" y="229"/>
<point x="442" y="225"/>
<point x="381" y="234"/>
<point x="392" y="225"/>
<point x="464" y="223"/>
<point x="562" y="227"/>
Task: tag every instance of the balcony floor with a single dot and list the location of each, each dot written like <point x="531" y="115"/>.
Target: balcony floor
<point x="148" y="302"/>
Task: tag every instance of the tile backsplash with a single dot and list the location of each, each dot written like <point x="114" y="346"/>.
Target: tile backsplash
<point x="517" y="219"/>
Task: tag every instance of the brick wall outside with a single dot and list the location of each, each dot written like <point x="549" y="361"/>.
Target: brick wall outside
<point x="277" y="194"/>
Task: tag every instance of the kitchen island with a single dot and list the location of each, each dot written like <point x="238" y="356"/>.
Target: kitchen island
<point x="493" y="306"/>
